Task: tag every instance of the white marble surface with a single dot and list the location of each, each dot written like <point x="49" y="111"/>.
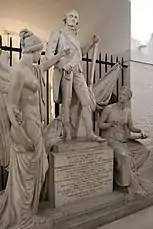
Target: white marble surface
<point x="82" y="172"/>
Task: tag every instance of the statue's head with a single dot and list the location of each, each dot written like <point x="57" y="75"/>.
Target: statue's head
<point x="31" y="44"/>
<point x="125" y="94"/>
<point x="71" y="18"/>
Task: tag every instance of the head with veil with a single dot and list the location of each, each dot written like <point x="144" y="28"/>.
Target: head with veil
<point x="31" y="44"/>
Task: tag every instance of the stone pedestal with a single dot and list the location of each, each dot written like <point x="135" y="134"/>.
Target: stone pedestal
<point x="90" y="213"/>
<point x="80" y="170"/>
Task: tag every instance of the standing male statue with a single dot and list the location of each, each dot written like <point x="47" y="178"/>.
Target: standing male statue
<point x="68" y="74"/>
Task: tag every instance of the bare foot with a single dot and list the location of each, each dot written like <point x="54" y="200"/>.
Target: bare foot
<point x="139" y="191"/>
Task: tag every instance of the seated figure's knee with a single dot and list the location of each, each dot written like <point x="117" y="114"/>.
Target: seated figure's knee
<point x="122" y="161"/>
<point x="125" y="160"/>
<point x="122" y="156"/>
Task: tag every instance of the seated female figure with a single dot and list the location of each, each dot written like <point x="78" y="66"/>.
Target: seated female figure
<point x="116" y="125"/>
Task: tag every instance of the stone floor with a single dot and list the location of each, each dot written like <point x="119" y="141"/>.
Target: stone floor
<point x="140" y="220"/>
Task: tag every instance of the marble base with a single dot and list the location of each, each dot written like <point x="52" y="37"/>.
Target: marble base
<point x="80" y="170"/>
<point x="91" y="213"/>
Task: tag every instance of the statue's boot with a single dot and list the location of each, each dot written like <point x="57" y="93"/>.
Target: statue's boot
<point x="86" y="114"/>
<point x="95" y="138"/>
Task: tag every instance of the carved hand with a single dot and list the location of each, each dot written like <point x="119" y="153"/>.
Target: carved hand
<point x="144" y="136"/>
<point x="18" y="115"/>
<point x="113" y="123"/>
<point x="123" y="140"/>
<point x="68" y="68"/>
<point x="20" y="137"/>
<point x="65" y="52"/>
<point x="95" y="39"/>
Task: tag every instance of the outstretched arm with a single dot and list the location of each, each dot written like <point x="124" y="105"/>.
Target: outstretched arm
<point x="48" y="63"/>
<point x="86" y="48"/>
<point x="130" y="127"/>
